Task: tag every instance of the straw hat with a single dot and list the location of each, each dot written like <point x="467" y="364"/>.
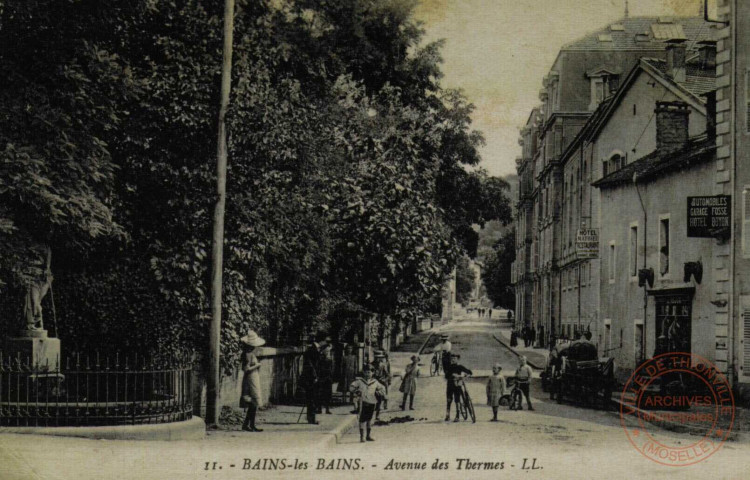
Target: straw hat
<point x="379" y="354"/>
<point x="252" y="339"/>
<point x="444" y="336"/>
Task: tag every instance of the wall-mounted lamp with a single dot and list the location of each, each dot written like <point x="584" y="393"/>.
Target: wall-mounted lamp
<point x="646" y="275"/>
<point x="694" y="269"/>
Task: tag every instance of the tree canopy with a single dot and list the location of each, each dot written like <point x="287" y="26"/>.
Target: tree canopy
<point x="347" y="181"/>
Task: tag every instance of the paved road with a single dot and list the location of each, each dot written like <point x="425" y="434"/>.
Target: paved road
<point x="567" y="442"/>
<point x="472" y="339"/>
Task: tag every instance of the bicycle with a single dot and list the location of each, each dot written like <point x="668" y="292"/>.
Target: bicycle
<point x="515" y="397"/>
<point x="465" y="405"/>
<point x="436" y="364"/>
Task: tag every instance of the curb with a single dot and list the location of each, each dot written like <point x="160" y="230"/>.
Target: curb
<point x="193" y="429"/>
<point x="334" y="436"/>
<point x="514" y="352"/>
<point x="680" y="427"/>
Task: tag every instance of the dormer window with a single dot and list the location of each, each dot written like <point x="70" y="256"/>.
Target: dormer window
<point x="604" y="82"/>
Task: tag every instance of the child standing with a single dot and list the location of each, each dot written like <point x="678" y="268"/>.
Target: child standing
<point x="409" y="382"/>
<point x="495" y="390"/>
<point x="370" y="392"/>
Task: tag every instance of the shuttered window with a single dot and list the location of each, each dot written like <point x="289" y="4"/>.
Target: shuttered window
<point x="746" y="222"/>
<point x="745" y="338"/>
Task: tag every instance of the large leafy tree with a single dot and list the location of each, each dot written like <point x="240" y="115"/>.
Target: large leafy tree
<point x="347" y="186"/>
<point x="465" y="280"/>
<point x="497" y="272"/>
<point x="60" y="100"/>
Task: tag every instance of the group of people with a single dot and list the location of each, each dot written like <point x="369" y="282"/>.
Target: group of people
<point x="317" y="376"/>
<point x="496" y="387"/>
<point x="368" y="389"/>
<point x="484" y="312"/>
<point x="528" y="335"/>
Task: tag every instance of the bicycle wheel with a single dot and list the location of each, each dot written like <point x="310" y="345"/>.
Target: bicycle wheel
<point x="434" y="367"/>
<point x="470" y="406"/>
<point x="462" y="408"/>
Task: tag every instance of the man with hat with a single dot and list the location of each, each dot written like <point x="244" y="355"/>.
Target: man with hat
<point x="251" y="396"/>
<point x="445" y="348"/>
<point x="309" y="379"/>
<point x="369" y="392"/>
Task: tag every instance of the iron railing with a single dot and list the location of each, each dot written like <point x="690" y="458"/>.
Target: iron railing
<point x="94" y="390"/>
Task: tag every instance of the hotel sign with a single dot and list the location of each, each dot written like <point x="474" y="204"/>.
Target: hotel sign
<point x="708" y="216"/>
<point x="587" y="243"/>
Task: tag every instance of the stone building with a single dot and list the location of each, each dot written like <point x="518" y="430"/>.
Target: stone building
<point x="585" y="73"/>
<point x="732" y="177"/>
<point x="653" y="148"/>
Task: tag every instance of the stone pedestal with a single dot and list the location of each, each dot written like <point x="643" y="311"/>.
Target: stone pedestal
<point x="34" y="348"/>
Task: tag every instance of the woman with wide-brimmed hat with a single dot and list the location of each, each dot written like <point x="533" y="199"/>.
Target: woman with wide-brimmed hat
<point x="251" y="396"/>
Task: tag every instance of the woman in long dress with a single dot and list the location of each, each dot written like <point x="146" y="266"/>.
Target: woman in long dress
<point x="409" y="382"/>
<point x="251" y="396"/>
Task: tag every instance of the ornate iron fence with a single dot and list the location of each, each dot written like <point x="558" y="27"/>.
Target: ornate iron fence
<point x="93" y="390"/>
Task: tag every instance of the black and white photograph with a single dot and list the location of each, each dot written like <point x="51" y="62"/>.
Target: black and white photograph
<point x="407" y="239"/>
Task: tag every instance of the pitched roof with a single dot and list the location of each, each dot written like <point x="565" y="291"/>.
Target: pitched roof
<point x="698" y="80"/>
<point x="643" y="33"/>
<point x="658" y="163"/>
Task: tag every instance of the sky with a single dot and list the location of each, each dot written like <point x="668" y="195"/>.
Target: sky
<point x="498" y="51"/>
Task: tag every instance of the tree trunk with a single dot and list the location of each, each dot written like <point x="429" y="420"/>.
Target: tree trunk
<point x="213" y="406"/>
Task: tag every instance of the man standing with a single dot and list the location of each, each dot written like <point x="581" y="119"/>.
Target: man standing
<point x="309" y="380"/>
<point x="445" y="351"/>
<point x="523" y="377"/>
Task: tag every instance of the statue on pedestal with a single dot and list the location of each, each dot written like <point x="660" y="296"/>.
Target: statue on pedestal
<point x="36" y="288"/>
<point x="32" y="308"/>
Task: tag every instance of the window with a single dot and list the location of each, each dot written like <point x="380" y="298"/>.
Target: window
<point x="612" y="258"/>
<point x="746" y="222"/>
<point x="638" y="341"/>
<point x="633" y="250"/>
<point x="664" y="245"/>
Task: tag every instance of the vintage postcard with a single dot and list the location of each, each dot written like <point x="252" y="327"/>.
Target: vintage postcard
<point x="444" y="239"/>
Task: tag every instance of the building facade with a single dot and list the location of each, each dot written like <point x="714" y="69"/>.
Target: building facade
<point x="557" y="291"/>
<point x="732" y="177"/>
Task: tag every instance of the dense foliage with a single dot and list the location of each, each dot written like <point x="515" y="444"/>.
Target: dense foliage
<point x="346" y="186"/>
<point x="466" y="282"/>
<point x="496" y="274"/>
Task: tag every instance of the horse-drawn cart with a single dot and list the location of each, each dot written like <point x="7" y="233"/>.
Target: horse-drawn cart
<point x="578" y="374"/>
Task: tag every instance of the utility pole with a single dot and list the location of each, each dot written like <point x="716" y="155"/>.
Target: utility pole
<point x="217" y="245"/>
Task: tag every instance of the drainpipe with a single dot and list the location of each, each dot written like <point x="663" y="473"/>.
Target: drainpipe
<point x="645" y="286"/>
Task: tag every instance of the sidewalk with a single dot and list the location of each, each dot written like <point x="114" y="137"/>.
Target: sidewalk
<point x="536" y="357"/>
<point x="287" y="426"/>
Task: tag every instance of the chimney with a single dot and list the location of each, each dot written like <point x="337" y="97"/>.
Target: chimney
<point x="676" y="52"/>
<point x="671" y="126"/>
<point x="707" y="51"/>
